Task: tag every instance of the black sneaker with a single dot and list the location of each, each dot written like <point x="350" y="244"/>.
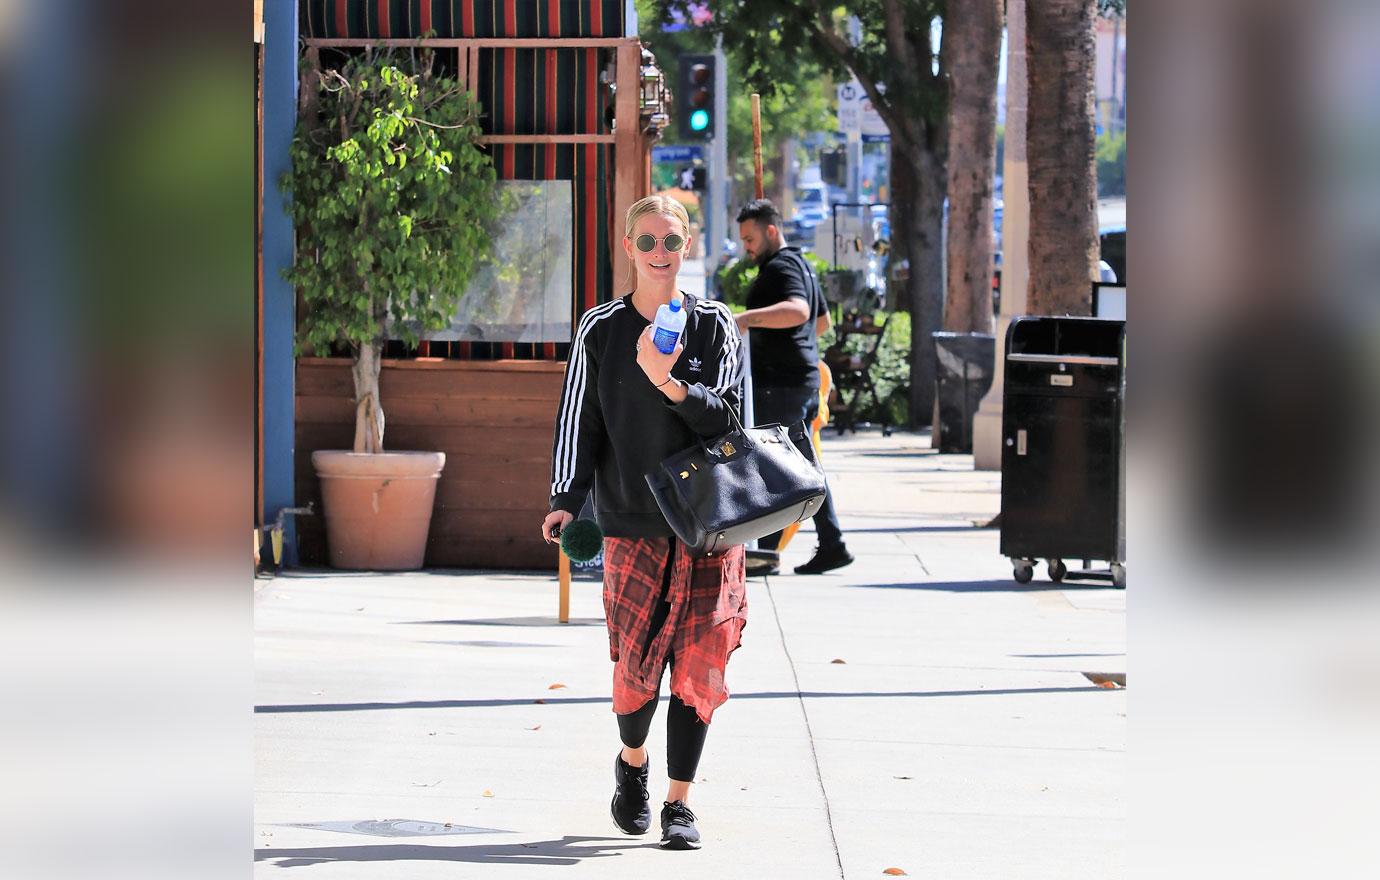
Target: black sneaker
<point x="826" y="559"/>
<point x="630" y="808"/>
<point x="759" y="563"/>
<point x="678" y="827"/>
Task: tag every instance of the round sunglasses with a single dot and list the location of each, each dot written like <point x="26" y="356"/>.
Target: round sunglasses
<point x="646" y="242"/>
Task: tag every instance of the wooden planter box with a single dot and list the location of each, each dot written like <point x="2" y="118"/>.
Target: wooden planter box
<point x="494" y="421"/>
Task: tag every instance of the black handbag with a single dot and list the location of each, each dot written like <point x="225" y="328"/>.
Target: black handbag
<point x="740" y="486"/>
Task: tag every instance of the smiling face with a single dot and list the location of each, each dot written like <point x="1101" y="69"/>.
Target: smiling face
<point x="659" y="264"/>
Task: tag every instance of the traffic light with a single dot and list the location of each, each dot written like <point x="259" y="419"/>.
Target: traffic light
<point x="693" y="177"/>
<point x="833" y="167"/>
<point x="695" y="97"/>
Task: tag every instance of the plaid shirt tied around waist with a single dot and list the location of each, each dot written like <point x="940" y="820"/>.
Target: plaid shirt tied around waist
<point x="704" y="625"/>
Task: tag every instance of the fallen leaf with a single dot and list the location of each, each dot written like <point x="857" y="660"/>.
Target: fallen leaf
<point x="539" y="701"/>
<point x="555" y="687"/>
<point x="895" y="872"/>
<point x="838" y="660"/>
<point x="900" y="777"/>
<point x="488" y="793"/>
<point x="538" y="727"/>
<point x="1101" y="678"/>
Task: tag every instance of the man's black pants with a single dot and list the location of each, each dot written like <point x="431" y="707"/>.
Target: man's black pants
<point x="786" y="406"/>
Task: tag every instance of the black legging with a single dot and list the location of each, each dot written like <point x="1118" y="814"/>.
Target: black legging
<point x="685" y="732"/>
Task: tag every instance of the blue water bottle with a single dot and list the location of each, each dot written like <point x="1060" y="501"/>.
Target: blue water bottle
<point x="670" y="321"/>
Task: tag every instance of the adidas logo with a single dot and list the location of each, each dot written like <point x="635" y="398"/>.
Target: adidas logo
<point x="694" y="364"/>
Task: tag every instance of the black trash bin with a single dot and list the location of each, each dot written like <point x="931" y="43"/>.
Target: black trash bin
<point x="1063" y="462"/>
<point x="964" y="364"/>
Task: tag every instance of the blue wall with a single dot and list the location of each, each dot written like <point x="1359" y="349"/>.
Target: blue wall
<point x="280" y="114"/>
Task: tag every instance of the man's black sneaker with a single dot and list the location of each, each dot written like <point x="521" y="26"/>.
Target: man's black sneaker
<point x="826" y="559"/>
<point x="758" y="563"/>
<point x="678" y="827"/>
<point x="630" y="808"/>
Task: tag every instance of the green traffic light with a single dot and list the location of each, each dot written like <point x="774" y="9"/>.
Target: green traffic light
<point x="699" y="120"/>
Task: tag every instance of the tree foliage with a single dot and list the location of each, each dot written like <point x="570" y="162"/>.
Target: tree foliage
<point x="778" y="39"/>
<point x="1111" y="164"/>
<point x="799" y="102"/>
<point x="393" y="199"/>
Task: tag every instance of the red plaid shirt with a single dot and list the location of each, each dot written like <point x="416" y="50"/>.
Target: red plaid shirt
<point x="708" y="599"/>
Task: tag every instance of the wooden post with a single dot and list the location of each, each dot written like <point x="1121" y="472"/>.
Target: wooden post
<point x="757" y="141"/>
<point x="627" y="157"/>
<point x="564" y="612"/>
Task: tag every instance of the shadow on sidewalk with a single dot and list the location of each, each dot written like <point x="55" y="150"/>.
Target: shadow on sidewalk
<point x="1003" y="586"/>
<point x="287" y="709"/>
<point x="538" y="620"/>
<point x="567" y="850"/>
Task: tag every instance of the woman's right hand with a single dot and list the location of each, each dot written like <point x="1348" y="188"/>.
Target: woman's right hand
<point x="554" y="524"/>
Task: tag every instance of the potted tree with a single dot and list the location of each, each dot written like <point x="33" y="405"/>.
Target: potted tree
<point x="394" y="203"/>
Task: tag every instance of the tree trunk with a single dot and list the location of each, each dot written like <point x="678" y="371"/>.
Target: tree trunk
<point x="917" y="198"/>
<point x="972" y="39"/>
<point x="1060" y="149"/>
<point x="368" y="413"/>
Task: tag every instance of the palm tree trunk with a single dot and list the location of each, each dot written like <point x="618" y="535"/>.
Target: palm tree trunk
<point x="973" y="43"/>
<point x="1060" y="149"/>
<point x="917" y="184"/>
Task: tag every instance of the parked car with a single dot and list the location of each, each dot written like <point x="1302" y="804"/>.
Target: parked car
<point x="1113" y="242"/>
<point x="811" y="209"/>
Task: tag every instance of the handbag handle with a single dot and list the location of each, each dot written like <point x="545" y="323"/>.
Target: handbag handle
<point x="748" y="442"/>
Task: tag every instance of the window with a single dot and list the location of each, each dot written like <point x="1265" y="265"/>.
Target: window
<point x="524" y="293"/>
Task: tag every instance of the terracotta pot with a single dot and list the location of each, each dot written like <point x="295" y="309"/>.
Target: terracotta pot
<point x="377" y="506"/>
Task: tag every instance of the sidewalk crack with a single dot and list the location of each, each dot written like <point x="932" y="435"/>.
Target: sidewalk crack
<point x="809" y="733"/>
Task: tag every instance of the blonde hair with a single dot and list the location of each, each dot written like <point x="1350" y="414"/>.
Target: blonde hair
<point x="657" y="205"/>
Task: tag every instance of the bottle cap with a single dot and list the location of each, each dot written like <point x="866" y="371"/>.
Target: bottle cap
<point x="675" y="304"/>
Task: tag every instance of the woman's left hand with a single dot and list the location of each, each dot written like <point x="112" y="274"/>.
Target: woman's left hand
<point x="656" y="365"/>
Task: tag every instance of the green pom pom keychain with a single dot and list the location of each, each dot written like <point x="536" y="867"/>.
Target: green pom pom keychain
<point x="582" y="540"/>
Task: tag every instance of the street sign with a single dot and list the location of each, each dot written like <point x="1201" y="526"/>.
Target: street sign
<point x="850" y="106"/>
<point x="678" y="153"/>
<point x="857" y="116"/>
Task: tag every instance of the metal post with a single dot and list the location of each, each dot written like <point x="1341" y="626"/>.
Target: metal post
<point x="720" y="184"/>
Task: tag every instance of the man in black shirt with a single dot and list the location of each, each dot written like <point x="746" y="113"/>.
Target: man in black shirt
<point x="786" y="313"/>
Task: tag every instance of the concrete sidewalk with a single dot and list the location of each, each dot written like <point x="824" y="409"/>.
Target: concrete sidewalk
<point x="958" y="737"/>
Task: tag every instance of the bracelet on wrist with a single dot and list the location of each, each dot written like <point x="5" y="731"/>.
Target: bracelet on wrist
<point x="668" y="379"/>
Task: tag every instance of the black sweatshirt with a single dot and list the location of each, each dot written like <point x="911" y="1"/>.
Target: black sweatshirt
<point x="613" y="426"/>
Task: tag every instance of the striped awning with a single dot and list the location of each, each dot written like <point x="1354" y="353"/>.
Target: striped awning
<point x="494" y="18"/>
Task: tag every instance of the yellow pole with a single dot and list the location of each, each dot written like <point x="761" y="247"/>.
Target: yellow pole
<point x="565" y="587"/>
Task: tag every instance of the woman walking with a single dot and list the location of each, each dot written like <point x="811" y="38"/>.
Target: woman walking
<point x="625" y="407"/>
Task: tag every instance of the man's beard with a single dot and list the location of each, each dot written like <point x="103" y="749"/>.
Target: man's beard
<point x="762" y="256"/>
